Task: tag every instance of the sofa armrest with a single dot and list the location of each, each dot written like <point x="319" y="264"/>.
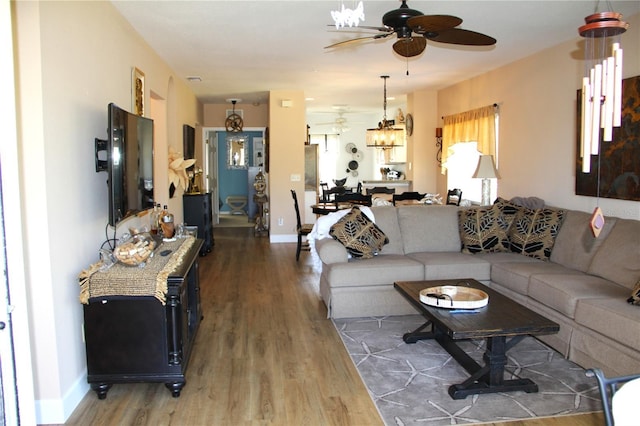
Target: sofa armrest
<point x="331" y="251"/>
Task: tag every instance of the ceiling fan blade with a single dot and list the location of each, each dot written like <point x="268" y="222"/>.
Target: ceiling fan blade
<point x="381" y="29"/>
<point x="460" y="36"/>
<point x="410" y="46"/>
<point x="342" y="43"/>
<point x="432" y="23"/>
<point x="366" y="27"/>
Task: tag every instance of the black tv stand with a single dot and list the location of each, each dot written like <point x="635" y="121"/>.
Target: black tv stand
<point x="138" y="339"/>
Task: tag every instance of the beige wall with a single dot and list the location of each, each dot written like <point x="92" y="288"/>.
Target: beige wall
<point x="537" y="98"/>
<point x="421" y="156"/>
<point x="287" y="134"/>
<point x="252" y="115"/>
<point x="73" y="58"/>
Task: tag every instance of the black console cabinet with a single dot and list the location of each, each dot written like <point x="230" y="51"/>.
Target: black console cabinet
<point x="197" y="212"/>
<point x="137" y="339"/>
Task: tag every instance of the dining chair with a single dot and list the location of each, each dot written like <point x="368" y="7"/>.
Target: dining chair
<point x="354" y="198"/>
<point x="407" y="195"/>
<point x="324" y="186"/>
<point x="608" y="386"/>
<point x="301" y="229"/>
<point x="329" y="195"/>
<point x="454" y="196"/>
<point x="380" y="190"/>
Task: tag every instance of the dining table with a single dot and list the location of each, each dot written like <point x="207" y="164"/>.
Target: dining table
<point x="331" y="207"/>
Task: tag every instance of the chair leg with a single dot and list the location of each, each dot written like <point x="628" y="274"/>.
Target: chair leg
<point x="299" y="247"/>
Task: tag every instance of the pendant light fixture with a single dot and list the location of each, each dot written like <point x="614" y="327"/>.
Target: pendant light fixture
<point x="385" y="135"/>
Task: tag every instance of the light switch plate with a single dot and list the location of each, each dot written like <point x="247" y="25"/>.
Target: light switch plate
<point x="295" y="178"/>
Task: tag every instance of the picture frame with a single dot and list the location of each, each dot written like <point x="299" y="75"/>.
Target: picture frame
<point x="615" y="172"/>
<point x="137" y="92"/>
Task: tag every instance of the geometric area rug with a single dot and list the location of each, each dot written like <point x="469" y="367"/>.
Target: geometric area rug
<point x="409" y="382"/>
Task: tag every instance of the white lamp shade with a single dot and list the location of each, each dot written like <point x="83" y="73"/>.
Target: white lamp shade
<point x="486" y="168"/>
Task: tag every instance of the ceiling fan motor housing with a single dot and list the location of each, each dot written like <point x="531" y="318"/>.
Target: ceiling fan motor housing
<point x="397" y="19"/>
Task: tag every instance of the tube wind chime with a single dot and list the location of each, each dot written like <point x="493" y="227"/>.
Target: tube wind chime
<point x="601" y="101"/>
<point x="601" y="95"/>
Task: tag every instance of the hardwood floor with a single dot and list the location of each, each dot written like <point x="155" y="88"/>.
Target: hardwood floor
<point x="265" y="352"/>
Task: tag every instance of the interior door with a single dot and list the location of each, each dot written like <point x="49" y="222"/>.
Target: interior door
<point x="9" y="398"/>
<point x="211" y="181"/>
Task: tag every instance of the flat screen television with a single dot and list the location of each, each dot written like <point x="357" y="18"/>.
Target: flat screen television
<point x="129" y="162"/>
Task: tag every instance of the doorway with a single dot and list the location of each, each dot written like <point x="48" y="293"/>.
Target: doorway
<point x="225" y="177"/>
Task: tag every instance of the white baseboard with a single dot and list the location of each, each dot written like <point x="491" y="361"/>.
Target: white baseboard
<point x="283" y="238"/>
<point x="58" y="411"/>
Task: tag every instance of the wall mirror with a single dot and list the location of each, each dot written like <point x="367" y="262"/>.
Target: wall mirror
<point x="237" y="152"/>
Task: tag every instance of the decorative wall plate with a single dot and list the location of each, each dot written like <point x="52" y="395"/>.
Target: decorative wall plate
<point x="351" y="148"/>
<point x="409" y="124"/>
<point x="358" y="156"/>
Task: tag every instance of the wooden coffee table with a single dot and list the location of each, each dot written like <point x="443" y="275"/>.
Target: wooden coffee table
<point x="502" y="318"/>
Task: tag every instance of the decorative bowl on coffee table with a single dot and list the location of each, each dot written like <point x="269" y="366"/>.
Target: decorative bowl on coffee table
<point x="454" y="297"/>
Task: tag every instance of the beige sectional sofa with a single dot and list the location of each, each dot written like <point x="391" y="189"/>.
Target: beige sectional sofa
<point x="583" y="285"/>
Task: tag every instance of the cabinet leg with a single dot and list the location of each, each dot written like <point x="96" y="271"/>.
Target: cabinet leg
<point x="175" y="388"/>
<point x="101" y="389"/>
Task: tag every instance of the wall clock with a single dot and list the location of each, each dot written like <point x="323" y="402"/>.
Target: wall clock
<point x="409" y="124"/>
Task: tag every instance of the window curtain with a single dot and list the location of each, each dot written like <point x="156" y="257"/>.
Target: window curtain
<point x="478" y="125"/>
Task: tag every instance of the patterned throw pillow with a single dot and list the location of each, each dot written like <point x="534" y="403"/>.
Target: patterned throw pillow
<point x="361" y="237"/>
<point x="484" y="230"/>
<point x="533" y="232"/>
<point x="635" y="295"/>
<point x="507" y="207"/>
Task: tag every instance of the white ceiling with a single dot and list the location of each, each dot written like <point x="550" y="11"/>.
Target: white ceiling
<point x="244" y="49"/>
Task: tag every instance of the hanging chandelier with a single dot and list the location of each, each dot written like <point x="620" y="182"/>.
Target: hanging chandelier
<point x="601" y="95"/>
<point x="385" y="135"/>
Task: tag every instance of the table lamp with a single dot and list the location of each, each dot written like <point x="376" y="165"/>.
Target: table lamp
<point x="486" y="170"/>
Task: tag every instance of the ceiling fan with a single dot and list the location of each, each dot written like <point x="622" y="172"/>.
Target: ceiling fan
<point x="413" y="29"/>
<point x="339" y="125"/>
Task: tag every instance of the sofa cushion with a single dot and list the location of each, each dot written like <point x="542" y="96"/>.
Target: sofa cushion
<point x="429" y="228"/>
<point x="563" y="291"/>
<point x="617" y="257"/>
<point x="611" y="317"/>
<point x="384" y="269"/>
<point x="634" y="299"/>
<point x="330" y="251"/>
<point x="575" y="245"/>
<point x="515" y="275"/>
<point x="387" y="221"/>
<point x="359" y="234"/>
<point x="452" y="265"/>
<point x="533" y="232"/>
<point x="484" y="229"/>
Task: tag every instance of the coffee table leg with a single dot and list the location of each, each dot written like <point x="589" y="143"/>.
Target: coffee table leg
<point x="419" y="334"/>
<point x="490" y="377"/>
